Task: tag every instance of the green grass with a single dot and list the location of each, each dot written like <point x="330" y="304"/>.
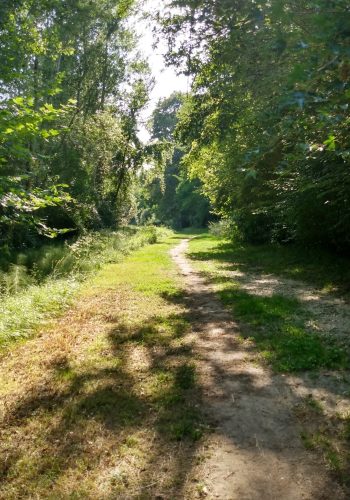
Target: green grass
<point x="22" y="313"/>
<point x="277" y="324"/>
<point x="146" y="272"/>
<point x="327" y="271"/>
<point x="328" y="436"/>
<point x="43" y="282"/>
<point x="120" y="403"/>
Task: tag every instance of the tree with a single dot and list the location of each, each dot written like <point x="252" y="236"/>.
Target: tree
<point x="172" y="198"/>
<point x="71" y="90"/>
<point x="268" y="120"/>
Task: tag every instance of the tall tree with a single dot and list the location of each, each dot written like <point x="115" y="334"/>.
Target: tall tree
<point x="173" y="198"/>
<point x="268" y="121"/>
<point x="71" y="89"/>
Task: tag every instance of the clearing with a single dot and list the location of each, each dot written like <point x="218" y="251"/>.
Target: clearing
<point x="147" y="388"/>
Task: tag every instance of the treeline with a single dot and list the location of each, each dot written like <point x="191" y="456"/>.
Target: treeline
<point x="169" y="197"/>
<point x="72" y="87"/>
<point x="71" y="90"/>
<point x="266" y="128"/>
<point x="263" y="134"/>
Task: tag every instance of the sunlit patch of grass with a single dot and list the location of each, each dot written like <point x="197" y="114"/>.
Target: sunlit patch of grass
<point x="50" y="277"/>
<point x="276" y="324"/>
<point x="327" y="271"/>
<point x="142" y="271"/>
<point x="112" y="403"/>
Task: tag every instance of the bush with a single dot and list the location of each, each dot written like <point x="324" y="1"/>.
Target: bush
<point x="225" y="228"/>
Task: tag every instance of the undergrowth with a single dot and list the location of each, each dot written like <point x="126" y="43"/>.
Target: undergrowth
<point x="42" y="282"/>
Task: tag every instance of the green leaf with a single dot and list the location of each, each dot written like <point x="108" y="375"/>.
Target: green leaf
<point x="330" y="143"/>
<point x="18" y="100"/>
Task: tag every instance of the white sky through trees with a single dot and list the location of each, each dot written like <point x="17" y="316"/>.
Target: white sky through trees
<point x="166" y="79"/>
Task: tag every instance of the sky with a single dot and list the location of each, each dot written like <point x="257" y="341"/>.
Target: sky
<point x="166" y="79"/>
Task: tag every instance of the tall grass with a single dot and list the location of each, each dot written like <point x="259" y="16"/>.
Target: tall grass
<point x="42" y="282"/>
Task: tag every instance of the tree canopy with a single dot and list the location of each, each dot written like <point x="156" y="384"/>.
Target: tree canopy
<point x="71" y="90"/>
<point x="267" y="123"/>
<point x="263" y="133"/>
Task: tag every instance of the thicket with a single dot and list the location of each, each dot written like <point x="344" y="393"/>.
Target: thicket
<point x="266" y="126"/>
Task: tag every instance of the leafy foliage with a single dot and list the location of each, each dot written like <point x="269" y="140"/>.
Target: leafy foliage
<point x="268" y="120"/>
<point x="171" y="197"/>
<point x="71" y="90"/>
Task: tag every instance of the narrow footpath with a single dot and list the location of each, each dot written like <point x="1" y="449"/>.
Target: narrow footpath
<point x="144" y="390"/>
<point x="255" y="451"/>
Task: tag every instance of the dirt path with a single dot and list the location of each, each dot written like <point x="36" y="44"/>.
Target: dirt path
<point x="255" y="451"/>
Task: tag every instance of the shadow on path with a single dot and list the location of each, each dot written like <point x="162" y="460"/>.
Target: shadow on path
<point x="256" y="451"/>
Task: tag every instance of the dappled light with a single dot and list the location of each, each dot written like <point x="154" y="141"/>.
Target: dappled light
<point x="174" y="250"/>
<point x="130" y="394"/>
<point x="171" y="404"/>
<point x="277" y="324"/>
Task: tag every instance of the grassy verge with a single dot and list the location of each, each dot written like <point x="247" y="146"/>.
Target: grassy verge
<point x="278" y="327"/>
<point x="329" y="272"/>
<point x="41" y="283"/>
<point x="277" y="324"/>
<point x="105" y="403"/>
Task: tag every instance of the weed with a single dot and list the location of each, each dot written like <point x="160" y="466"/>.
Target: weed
<point x="182" y="425"/>
<point x="307" y="440"/>
<point x="185" y="376"/>
<point x="65" y="373"/>
<point x="314" y="404"/>
<point x="131" y="442"/>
